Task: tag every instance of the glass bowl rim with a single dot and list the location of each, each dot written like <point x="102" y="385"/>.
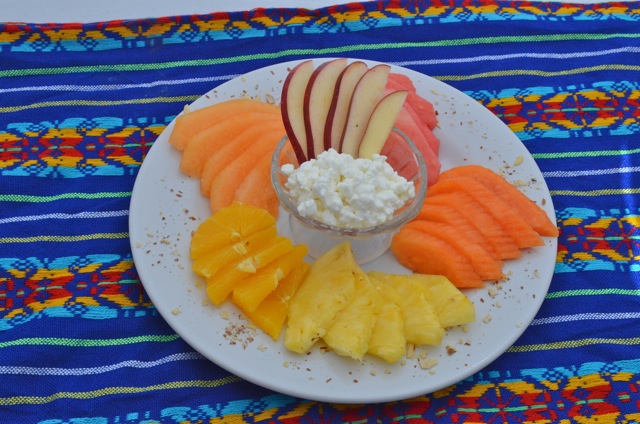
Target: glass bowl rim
<point x="408" y="213"/>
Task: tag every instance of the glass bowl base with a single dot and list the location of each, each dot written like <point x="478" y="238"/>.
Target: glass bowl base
<point x="364" y="249"/>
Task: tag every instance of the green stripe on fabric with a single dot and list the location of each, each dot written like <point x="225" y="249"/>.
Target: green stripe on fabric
<point x="174" y="99"/>
<point x="108" y="391"/>
<point x="58" y="238"/>
<point x="588" y="193"/>
<point x="43" y="199"/>
<point x="592" y="292"/>
<point x="311" y="52"/>
<point x="535" y="72"/>
<point x="587" y="154"/>
<point x="70" y="342"/>
<point x="570" y="344"/>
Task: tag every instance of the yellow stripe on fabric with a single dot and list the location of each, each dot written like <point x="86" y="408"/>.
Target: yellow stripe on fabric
<point x="539" y="73"/>
<point x="55" y="239"/>
<point x="58" y="103"/>
<point x="117" y="390"/>
<point x="572" y="344"/>
<point x="588" y="193"/>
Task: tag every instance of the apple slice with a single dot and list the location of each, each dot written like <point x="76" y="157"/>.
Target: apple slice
<point x="339" y="108"/>
<point x="317" y="100"/>
<point x="291" y="105"/>
<point x="366" y="96"/>
<point x="380" y="123"/>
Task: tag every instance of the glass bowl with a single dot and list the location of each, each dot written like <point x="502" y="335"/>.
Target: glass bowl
<point x="367" y="243"/>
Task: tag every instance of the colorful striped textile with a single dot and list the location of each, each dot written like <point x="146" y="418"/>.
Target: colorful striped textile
<point x="81" y="105"/>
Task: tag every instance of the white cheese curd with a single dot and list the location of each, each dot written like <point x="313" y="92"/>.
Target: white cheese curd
<point x="344" y="192"/>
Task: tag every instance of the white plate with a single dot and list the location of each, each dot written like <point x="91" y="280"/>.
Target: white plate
<point x="167" y="206"/>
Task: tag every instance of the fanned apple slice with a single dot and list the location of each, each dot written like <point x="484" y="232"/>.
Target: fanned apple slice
<point x="291" y="104"/>
<point x="339" y="108"/>
<point x="317" y="100"/>
<point x="380" y="123"/>
<point x="366" y="95"/>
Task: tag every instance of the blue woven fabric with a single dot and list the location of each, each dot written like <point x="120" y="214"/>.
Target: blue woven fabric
<point x="81" y="105"/>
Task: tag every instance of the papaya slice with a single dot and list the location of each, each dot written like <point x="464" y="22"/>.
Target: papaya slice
<point x="426" y="254"/>
<point x="513" y="223"/>
<point x="188" y="124"/>
<point x="535" y="216"/>
<point x="495" y="235"/>
<point x="449" y="215"/>
<point x="487" y="266"/>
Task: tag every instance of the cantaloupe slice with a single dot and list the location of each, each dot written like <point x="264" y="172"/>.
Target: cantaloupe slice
<point x="226" y="182"/>
<point x="205" y="143"/>
<point x="513" y="223"/>
<point x="271" y="313"/>
<point x="256" y="188"/>
<point x="486" y="265"/>
<point x="535" y="216"/>
<point x="232" y="148"/>
<point x="188" y="124"/>
<point x="426" y="254"/>
<point x="493" y="233"/>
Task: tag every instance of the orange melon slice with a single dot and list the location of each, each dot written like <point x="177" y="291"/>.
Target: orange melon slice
<point x="226" y="182"/>
<point x="487" y="267"/>
<point x="490" y="229"/>
<point x="232" y="148"/>
<point x="207" y="142"/>
<point x="426" y="254"/>
<point x="513" y="223"/>
<point x="188" y="124"/>
<point x="271" y="313"/>
<point x="535" y="216"/>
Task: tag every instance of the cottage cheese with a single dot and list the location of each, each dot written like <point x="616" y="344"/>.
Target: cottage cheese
<point x="345" y="192"/>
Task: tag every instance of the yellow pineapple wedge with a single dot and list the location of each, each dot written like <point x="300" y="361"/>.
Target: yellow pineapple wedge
<point x="387" y="338"/>
<point x="421" y="323"/>
<point x="328" y="287"/>
<point x="351" y="329"/>
<point x="451" y="305"/>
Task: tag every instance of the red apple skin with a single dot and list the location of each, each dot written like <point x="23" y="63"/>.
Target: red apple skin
<point x="291" y="102"/>
<point x="366" y="95"/>
<point x="317" y="100"/>
<point x="336" y="117"/>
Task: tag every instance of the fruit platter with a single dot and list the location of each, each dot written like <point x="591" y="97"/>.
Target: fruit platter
<point x="217" y="254"/>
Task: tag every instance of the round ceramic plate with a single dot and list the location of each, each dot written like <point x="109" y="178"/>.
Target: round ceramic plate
<point x="166" y="207"/>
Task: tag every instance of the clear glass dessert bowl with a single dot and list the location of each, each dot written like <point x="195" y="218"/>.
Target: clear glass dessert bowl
<point x="367" y="243"/>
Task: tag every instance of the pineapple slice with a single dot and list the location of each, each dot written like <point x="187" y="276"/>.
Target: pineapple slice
<point x="327" y="288"/>
<point x="350" y="331"/>
<point x="421" y="323"/>
<point x="451" y="305"/>
<point x="387" y="338"/>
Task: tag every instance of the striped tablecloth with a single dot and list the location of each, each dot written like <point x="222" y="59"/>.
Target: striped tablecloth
<point x="81" y="105"/>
